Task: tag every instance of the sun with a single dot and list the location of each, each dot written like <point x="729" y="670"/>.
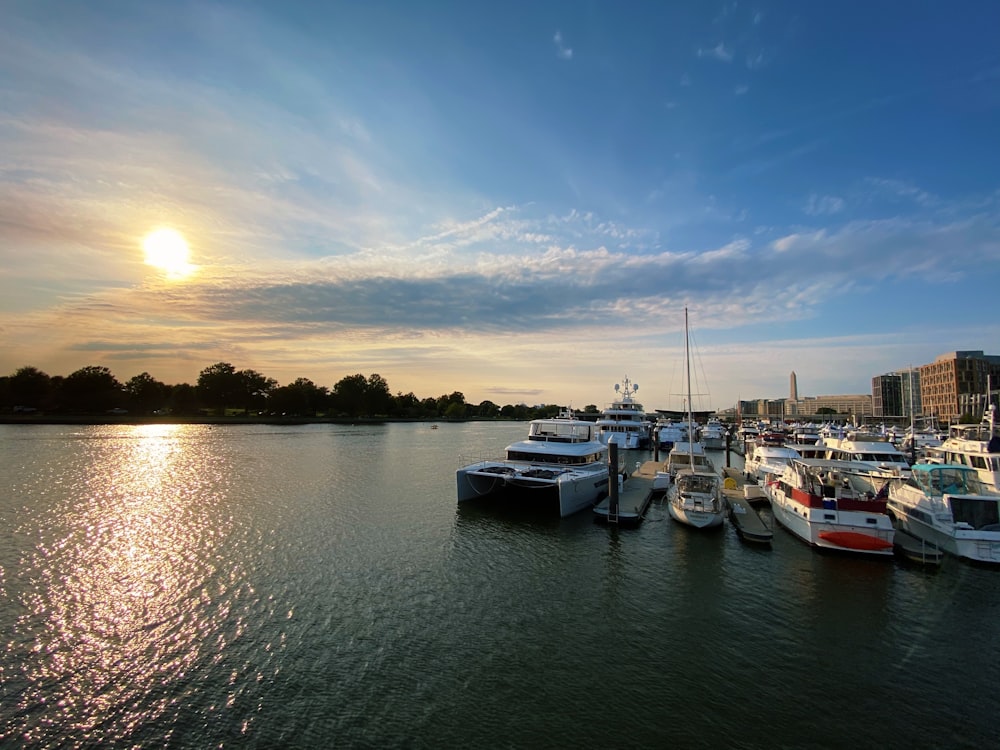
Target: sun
<point x="167" y="250"/>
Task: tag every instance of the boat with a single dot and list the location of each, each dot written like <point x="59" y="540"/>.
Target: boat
<point x="976" y="446"/>
<point x="868" y="449"/>
<point x="950" y="507"/>
<point x="713" y="435"/>
<point x="624" y="421"/>
<point x="686" y="454"/>
<point x="766" y="460"/>
<point x="668" y="433"/>
<point x="916" y="550"/>
<point x="561" y="467"/>
<point x="832" y="505"/>
<point x="695" y="499"/>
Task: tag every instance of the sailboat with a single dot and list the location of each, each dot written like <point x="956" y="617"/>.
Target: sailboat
<point x="695" y="498"/>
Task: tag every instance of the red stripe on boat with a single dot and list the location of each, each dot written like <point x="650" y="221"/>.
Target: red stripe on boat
<point x="854" y="540"/>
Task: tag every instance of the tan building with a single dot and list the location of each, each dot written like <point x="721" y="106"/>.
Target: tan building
<point x="857" y="406"/>
<point x="956" y="382"/>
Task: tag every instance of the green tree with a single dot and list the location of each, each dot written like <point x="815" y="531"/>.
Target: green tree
<point x="29" y="386"/>
<point x="219" y="386"/>
<point x="92" y="389"/>
<point x="146" y="394"/>
<point x="488" y="410"/>
<point x="348" y="395"/>
<point x="183" y="399"/>
<point x="253" y="390"/>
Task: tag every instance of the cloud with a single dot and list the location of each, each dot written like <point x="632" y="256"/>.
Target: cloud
<point x="823" y="205"/>
<point x="742" y="89"/>
<point x="718" y="52"/>
<point x="562" y="51"/>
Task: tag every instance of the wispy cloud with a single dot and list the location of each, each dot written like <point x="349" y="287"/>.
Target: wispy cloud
<point x="718" y="52"/>
<point x="562" y="51"/>
<point x="823" y="205"/>
<point x="741" y="89"/>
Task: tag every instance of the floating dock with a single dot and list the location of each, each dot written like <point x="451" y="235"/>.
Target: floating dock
<point x="634" y="497"/>
<point x="741" y="497"/>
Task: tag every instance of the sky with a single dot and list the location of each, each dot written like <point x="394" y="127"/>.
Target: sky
<point x="513" y="200"/>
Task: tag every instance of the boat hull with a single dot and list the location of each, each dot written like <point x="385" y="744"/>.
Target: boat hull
<point x="546" y="489"/>
<point x="850" y="532"/>
<point x="699" y="519"/>
<point x="970" y="544"/>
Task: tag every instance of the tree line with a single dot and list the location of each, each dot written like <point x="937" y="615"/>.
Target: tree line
<point x="223" y="390"/>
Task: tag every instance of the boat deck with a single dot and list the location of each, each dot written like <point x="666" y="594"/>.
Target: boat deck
<point x="741" y="496"/>
<point x="634" y="498"/>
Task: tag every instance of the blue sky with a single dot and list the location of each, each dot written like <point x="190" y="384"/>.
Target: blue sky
<point x="512" y="200"/>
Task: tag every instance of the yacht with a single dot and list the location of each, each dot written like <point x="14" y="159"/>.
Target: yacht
<point x="685" y="455"/>
<point x="869" y="449"/>
<point x="766" y="460"/>
<point x="713" y="435"/>
<point x="561" y="466"/>
<point x="976" y="446"/>
<point x="696" y="496"/>
<point x="949" y="507"/>
<point x="669" y="433"/>
<point x="832" y="505"/>
<point x="624" y="421"/>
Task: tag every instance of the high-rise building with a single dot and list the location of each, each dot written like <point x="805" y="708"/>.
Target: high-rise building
<point x="794" y="389"/>
<point x="896" y="394"/>
<point x="956" y="383"/>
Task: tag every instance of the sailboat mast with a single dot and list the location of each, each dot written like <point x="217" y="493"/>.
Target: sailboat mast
<point x="687" y="361"/>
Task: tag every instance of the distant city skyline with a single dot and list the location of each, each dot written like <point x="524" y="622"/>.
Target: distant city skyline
<point x="515" y="201"/>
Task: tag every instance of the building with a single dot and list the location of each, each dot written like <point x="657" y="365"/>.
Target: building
<point x="956" y="384"/>
<point x="896" y="394"/>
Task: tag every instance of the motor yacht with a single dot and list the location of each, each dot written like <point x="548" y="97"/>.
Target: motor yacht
<point x="561" y="466"/>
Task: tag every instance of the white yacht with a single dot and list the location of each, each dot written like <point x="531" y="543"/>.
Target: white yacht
<point x="695" y="499"/>
<point x="976" y="446"/>
<point x="949" y="507"/>
<point x="832" y="505"/>
<point x="713" y="435"/>
<point x="562" y="466"/>
<point x="669" y="432"/>
<point x="624" y="421"/>
<point x="766" y="460"/>
<point x="868" y="449"/>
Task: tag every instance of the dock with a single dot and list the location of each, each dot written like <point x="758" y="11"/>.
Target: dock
<point x="634" y="498"/>
<point x="741" y="497"/>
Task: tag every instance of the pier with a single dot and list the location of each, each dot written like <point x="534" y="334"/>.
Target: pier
<point x="634" y="497"/>
<point x="742" y="497"/>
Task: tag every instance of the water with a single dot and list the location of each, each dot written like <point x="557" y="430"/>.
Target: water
<point x="318" y="586"/>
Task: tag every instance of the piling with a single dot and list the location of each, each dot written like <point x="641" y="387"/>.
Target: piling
<point x="613" y="479"/>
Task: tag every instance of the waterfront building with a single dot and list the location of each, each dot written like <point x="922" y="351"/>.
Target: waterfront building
<point x="956" y="383"/>
<point x="896" y="394"/>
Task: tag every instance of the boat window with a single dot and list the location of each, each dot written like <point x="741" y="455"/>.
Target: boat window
<point x="829" y="517"/>
<point x="978" y="461"/>
<point x="976" y="513"/>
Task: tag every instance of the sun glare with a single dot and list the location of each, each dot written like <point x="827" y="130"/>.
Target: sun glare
<point x="167" y="250"/>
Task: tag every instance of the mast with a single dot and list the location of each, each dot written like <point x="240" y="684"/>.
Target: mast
<point x="687" y="361"/>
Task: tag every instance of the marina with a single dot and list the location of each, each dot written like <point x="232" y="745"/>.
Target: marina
<point x="202" y="586"/>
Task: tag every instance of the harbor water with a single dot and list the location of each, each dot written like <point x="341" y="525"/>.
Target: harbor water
<point x="197" y="586"/>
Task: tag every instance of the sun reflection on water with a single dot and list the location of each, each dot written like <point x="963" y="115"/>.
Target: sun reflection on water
<point x="122" y="577"/>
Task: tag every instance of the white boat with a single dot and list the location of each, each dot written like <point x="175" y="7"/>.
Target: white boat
<point x="685" y="455"/>
<point x="713" y="435"/>
<point x="832" y="505"/>
<point x="624" y="421"/>
<point x="949" y="507"/>
<point x="561" y="466"/>
<point x="668" y="433"/>
<point x="976" y="446"/>
<point x="767" y="460"/>
<point x="868" y="449"/>
<point x="696" y="496"/>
